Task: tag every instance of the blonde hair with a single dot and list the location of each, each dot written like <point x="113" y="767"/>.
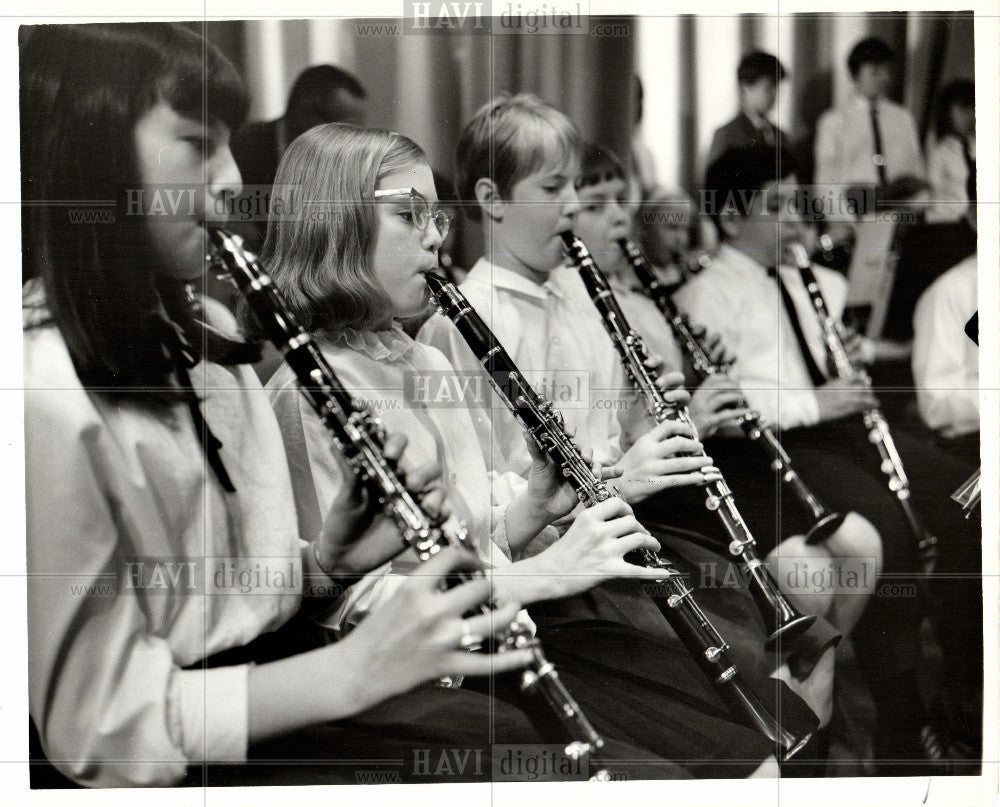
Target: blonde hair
<point x="508" y="139"/>
<point x="323" y="223"/>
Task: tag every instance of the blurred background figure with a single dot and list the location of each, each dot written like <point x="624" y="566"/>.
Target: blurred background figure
<point x="670" y="232"/>
<point x="867" y="140"/>
<point x="758" y="76"/>
<point x="951" y="156"/>
<point x="321" y="94"/>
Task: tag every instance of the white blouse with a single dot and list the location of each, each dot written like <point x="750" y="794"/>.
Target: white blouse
<point x="948" y="174"/>
<point x="400" y="382"/>
<point x="140" y="564"/>
<point x="555" y="337"/>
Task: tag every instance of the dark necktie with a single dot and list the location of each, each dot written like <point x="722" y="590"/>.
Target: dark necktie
<point x="815" y="373"/>
<point x="970" y="163"/>
<point x="878" y="157"/>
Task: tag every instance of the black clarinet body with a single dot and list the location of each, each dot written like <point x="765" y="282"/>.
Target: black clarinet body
<point x="890" y="462"/>
<point x="360" y="437"/>
<point x="545" y="425"/>
<point x="782" y="618"/>
<point x="824" y="521"/>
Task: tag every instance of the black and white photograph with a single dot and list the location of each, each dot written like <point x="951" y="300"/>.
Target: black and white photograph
<point x="501" y="402"/>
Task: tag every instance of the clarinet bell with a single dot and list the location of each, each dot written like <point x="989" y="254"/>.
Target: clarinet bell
<point x="824" y="528"/>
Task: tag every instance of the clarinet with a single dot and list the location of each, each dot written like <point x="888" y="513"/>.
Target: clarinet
<point x="825" y="521"/>
<point x="878" y="429"/>
<point x="779" y="614"/>
<point x="360" y="437"/>
<point x="545" y="425"/>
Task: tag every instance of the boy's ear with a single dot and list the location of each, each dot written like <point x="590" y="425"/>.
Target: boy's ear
<point x="488" y="197"/>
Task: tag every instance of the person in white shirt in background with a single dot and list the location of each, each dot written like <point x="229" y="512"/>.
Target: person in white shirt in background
<point x="946" y="360"/>
<point x="868" y="141"/>
<point x="951" y="159"/>
<point x="751" y="195"/>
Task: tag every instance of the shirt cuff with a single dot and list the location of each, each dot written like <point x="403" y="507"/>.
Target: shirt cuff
<point x="809" y="414"/>
<point x="212" y="711"/>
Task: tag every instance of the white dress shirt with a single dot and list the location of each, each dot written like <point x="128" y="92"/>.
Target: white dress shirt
<point x="110" y="485"/>
<point x="737" y="299"/>
<point x="555" y="337"/>
<point x="845" y="143"/>
<point x="945" y="359"/>
<point x="380" y="369"/>
<point x="948" y="175"/>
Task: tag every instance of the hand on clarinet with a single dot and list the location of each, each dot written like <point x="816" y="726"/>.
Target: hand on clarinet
<point x="856" y="346"/>
<point x="712" y="343"/>
<point x="418" y="634"/>
<point x="716" y="405"/>
<point x="549" y="493"/>
<point x="357" y="537"/>
<point x="670" y="383"/>
<point x="841" y="397"/>
<point x="591" y="552"/>
<point x="667" y="456"/>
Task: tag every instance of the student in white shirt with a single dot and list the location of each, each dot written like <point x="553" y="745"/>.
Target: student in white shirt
<point x="716" y="407"/>
<point x="164" y="557"/>
<point x="351" y="279"/>
<point x="821" y="425"/>
<point x="517" y="159"/>
<point x="868" y="140"/>
<point x="946" y="360"/>
<point x="951" y="159"/>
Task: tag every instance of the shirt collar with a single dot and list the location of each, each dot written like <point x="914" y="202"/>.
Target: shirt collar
<point x="864" y="103"/>
<point x="499" y="277"/>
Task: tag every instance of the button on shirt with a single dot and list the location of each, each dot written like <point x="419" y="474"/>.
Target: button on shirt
<point x="845" y="143"/>
<point x="736" y="298"/>
<point x="555" y="337"/>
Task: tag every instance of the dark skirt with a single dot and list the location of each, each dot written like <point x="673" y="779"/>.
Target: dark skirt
<point x="625" y="664"/>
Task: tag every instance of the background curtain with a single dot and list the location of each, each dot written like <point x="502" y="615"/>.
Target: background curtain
<point x="427" y="86"/>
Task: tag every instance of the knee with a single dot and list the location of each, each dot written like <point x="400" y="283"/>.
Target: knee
<point x="857" y="539"/>
<point x="805" y="573"/>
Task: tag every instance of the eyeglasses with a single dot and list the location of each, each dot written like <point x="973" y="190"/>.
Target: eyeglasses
<point x="420" y="210"/>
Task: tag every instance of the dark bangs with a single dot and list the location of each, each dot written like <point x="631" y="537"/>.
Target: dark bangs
<point x="201" y="84"/>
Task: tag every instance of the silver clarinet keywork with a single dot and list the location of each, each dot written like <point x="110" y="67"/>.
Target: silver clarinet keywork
<point x="878" y="429"/>
<point x="545" y="425"/>
<point x="781" y="617"/>
<point x="360" y="437"/>
<point x="824" y="521"/>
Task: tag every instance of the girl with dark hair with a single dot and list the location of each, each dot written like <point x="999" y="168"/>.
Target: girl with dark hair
<point x="164" y="555"/>
<point x="951" y="158"/>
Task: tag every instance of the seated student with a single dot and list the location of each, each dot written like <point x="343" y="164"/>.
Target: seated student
<point x="758" y="75"/>
<point x="156" y="477"/>
<point x="517" y="159"/>
<point x="351" y="283"/>
<point x="946" y="360"/>
<point x="951" y="158"/>
<point x="768" y="324"/>
<point x="716" y="407"/>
